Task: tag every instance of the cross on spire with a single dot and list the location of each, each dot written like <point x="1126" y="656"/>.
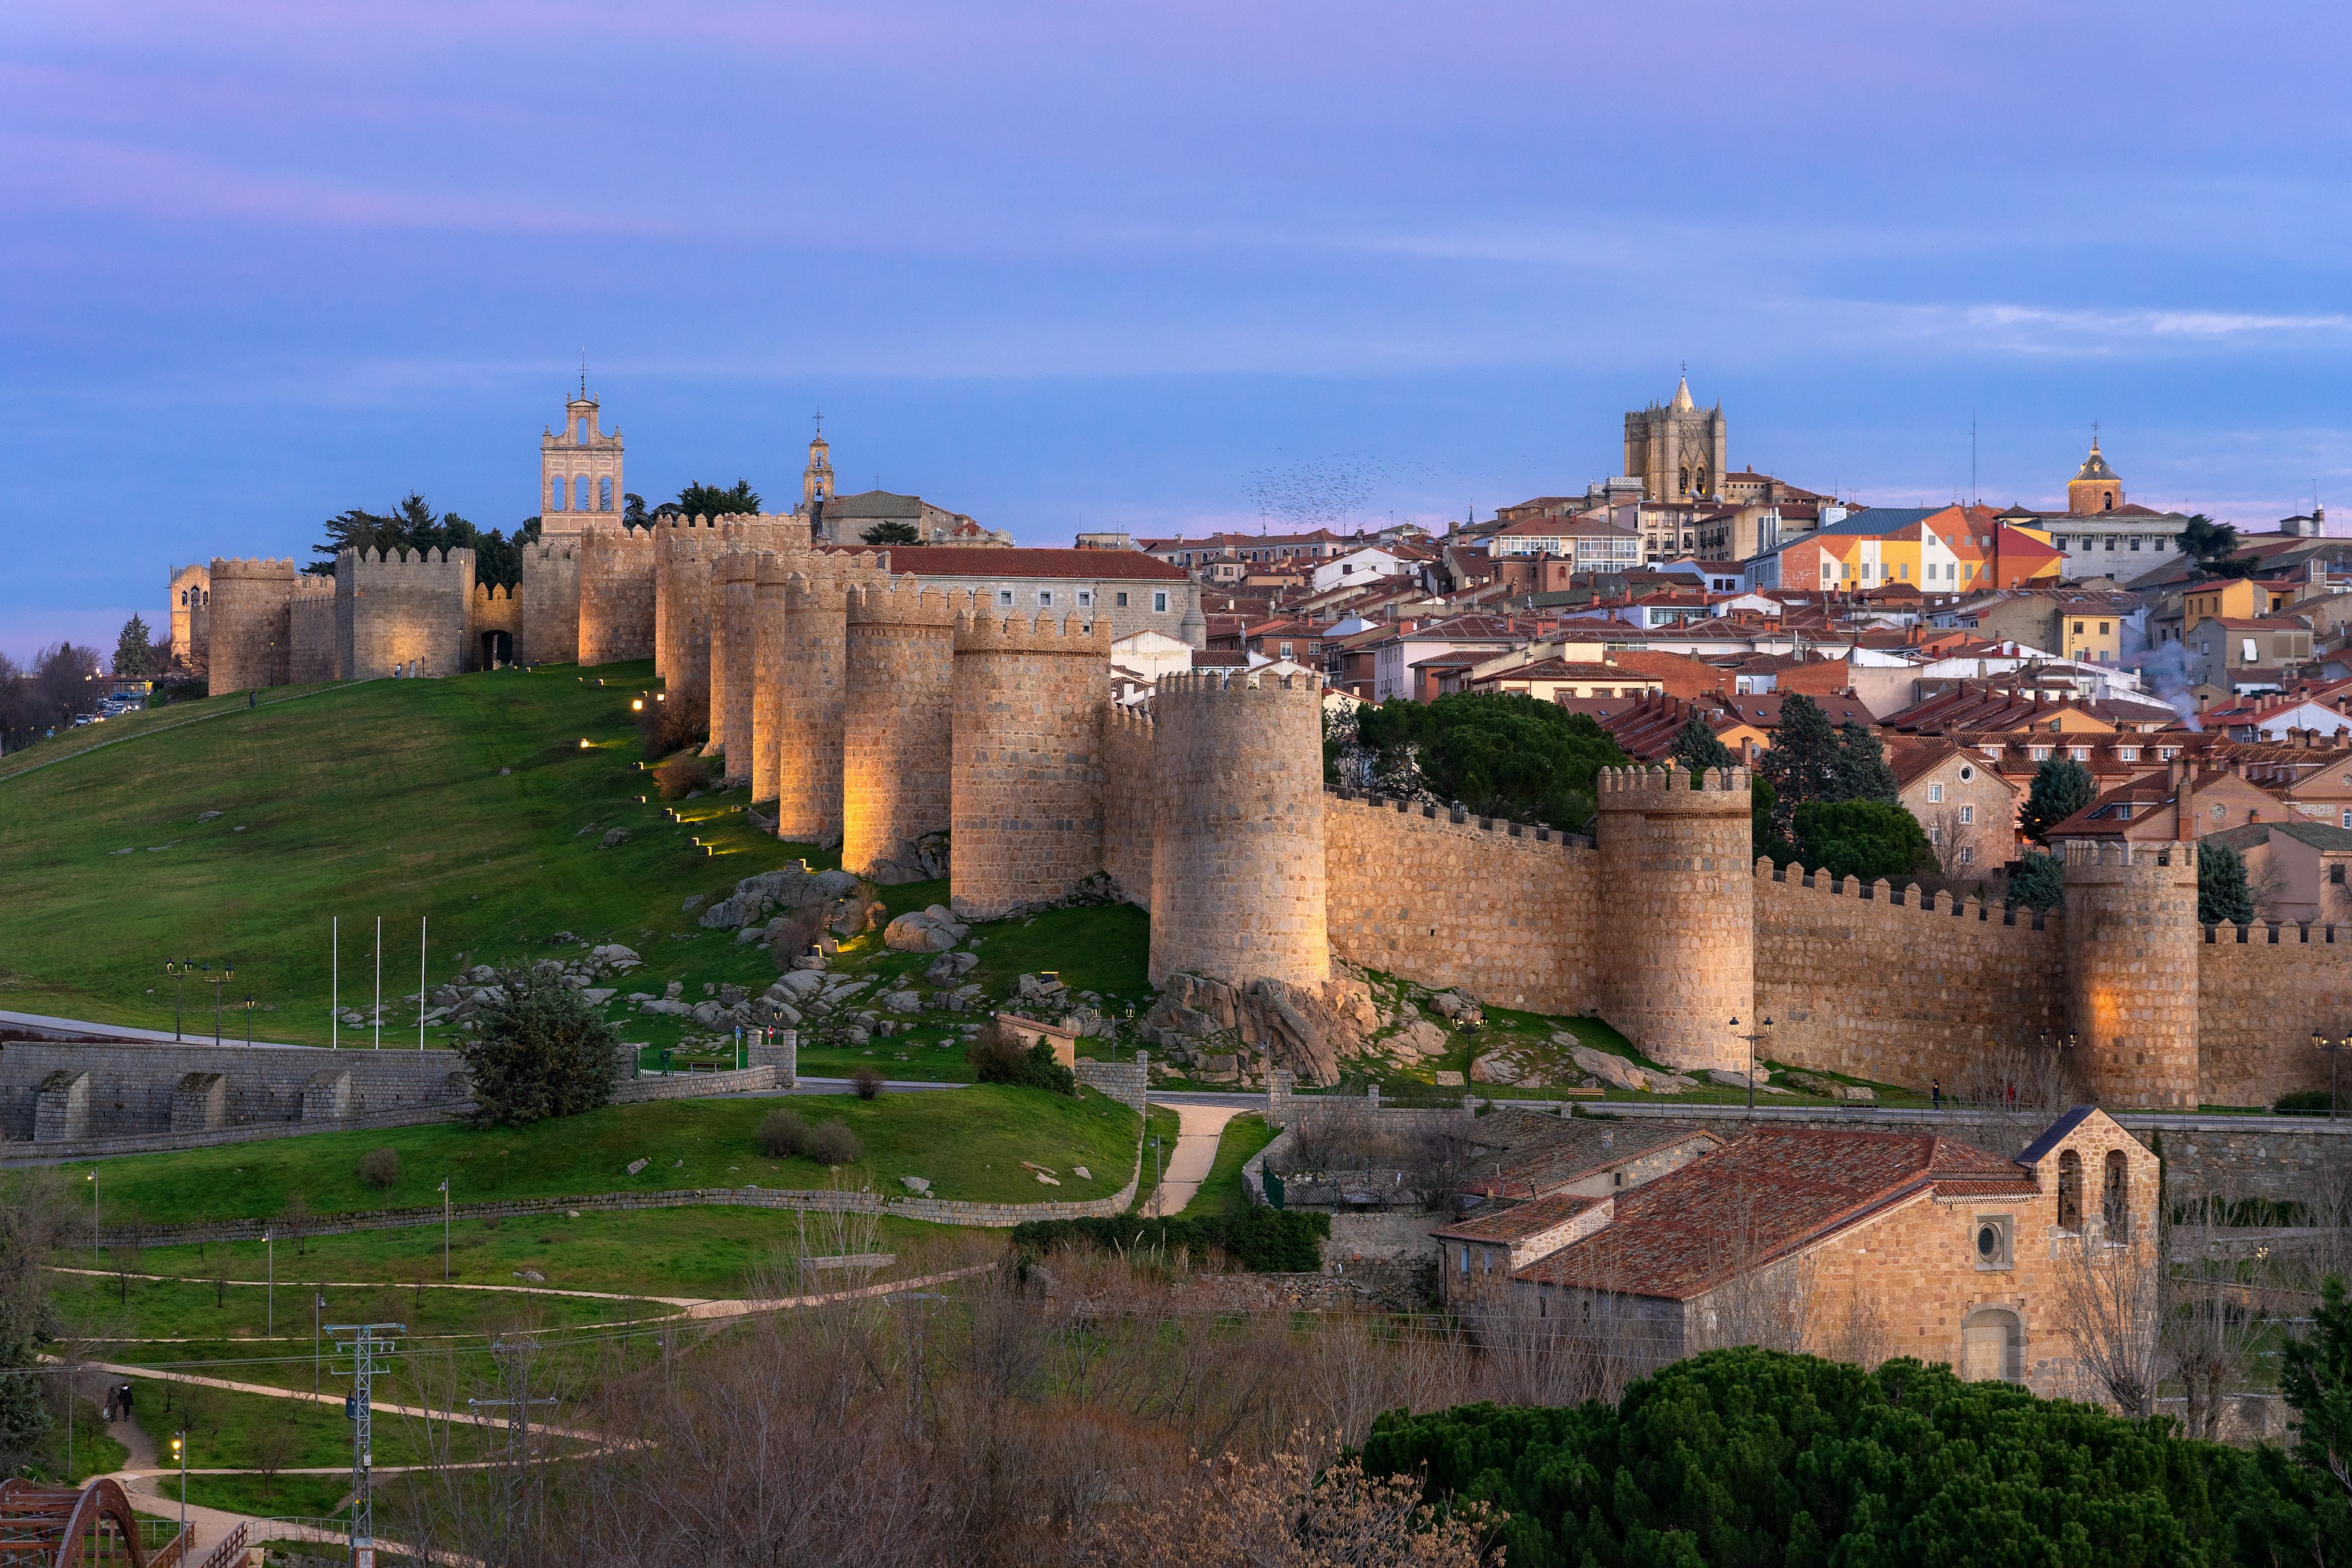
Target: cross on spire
<point x="2095" y="434"/>
<point x="584" y="376"/>
<point x="820" y="421"/>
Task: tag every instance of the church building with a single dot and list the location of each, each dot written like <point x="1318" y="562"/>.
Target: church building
<point x="1677" y="452"/>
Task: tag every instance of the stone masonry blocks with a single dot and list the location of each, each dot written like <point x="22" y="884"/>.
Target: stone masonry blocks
<point x="400" y="614"/>
<point x="769" y="575"/>
<point x="1130" y="802"/>
<point x="2132" y="947"/>
<point x="1237" y="863"/>
<point x="250" y="629"/>
<point x="617" y="593"/>
<point x="811" y="705"/>
<point x="733" y="628"/>
<point x="549" y="619"/>
<point x="1026" y="778"/>
<point x="1679" y="949"/>
<point x="897" y="723"/>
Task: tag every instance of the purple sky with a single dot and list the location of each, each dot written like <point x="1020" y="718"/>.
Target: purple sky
<point x="1070" y="266"/>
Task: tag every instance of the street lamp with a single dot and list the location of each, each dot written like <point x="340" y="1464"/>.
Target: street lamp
<point x="248" y="1020"/>
<point x="179" y="1452"/>
<point x="178" y="970"/>
<point x="1762" y="1031"/>
<point x="445" y="1230"/>
<point x="93" y="1216"/>
<point x="216" y="982"/>
<point x="2334" y="1049"/>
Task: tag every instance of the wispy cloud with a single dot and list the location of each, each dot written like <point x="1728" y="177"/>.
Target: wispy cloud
<point x="2041" y="329"/>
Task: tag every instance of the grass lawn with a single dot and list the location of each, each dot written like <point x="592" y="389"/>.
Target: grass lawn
<point x="969" y="1144"/>
<point x="113" y="1315"/>
<point x="1221" y="1190"/>
<point x="703" y="1253"/>
<point x="93" y="1452"/>
<point x="228" y="1430"/>
<point x="284" y="1497"/>
<point x="1165" y="1124"/>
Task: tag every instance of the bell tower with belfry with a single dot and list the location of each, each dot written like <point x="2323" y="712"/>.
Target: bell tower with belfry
<point x="579" y="469"/>
<point x="816" y="479"/>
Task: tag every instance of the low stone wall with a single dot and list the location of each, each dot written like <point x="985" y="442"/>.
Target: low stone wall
<point x="1127" y="1082"/>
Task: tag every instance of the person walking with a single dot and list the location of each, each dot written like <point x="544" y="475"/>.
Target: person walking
<point x="1935" y="1093"/>
<point x="123" y="1400"/>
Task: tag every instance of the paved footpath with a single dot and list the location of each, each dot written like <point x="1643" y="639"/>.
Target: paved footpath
<point x="1198" y="1127"/>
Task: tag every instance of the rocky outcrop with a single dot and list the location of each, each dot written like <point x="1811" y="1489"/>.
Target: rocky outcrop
<point x="795" y="888"/>
<point x="1304" y="1031"/>
<point x="934" y="929"/>
<point x="924" y="860"/>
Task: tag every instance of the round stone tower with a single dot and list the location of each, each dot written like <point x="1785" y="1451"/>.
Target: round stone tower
<point x="1237" y="876"/>
<point x="1679" y="938"/>
<point x="251" y="631"/>
<point x="2132" y="944"/>
<point x="1026" y="778"/>
<point x="769" y="577"/>
<point x="897" y="727"/>
<point x="734" y="592"/>
<point x="809" y="705"/>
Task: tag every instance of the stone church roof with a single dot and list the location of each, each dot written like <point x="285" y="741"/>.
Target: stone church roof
<point x="2095" y="467"/>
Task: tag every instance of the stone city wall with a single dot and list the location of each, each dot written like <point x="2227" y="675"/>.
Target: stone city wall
<point x="494" y="609"/>
<point x="735" y="591"/>
<point x="897" y="727"/>
<point x="1026" y="778"/>
<point x="2131" y="971"/>
<point x="402" y="614"/>
<point x="130" y="1088"/>
<point x="548" y="628"/>
<point x="1506" y="910"/>
<point x="313" y="651"/>
<point x="189" y="621"/>
<point x="251" y="635"/>
<point x="2262" y="991"/>
<point x="1130" y="802"/>
<point x="1678" y="942"/>
<point x="616" y="568"/>
<point x="769" y="574"/>
<point x="810" y="707"/>
<point x="1907" y="991"/>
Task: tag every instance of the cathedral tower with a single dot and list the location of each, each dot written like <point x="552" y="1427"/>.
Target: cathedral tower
<point x="816" y="479"/>
<point x="2094" y="487"/>
<point x="1678" y="452"/>
<point x="579" y="470"/>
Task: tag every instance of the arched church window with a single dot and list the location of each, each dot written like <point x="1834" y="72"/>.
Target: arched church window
<point x="2114" y="1196"/>
<point x="1702" y="478"/>
<point x="2108" y="497"/>
<point x="1686" y="482"/>
<point x="580" y="493"/>
<point x="555" y="493"/>
<point x="579" y="431"/>
<point x="604" y="493"/>
<point x="2070" y="1190"/>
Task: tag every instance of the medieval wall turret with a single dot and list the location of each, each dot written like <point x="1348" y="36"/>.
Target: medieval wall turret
<point x="402" y="614"/>
<point x="191" y="619"/>
<point x="769" y="574"/>
<point x="492" y="620"/>
<point x="733" y="638"/>
<point x="314" y="652"/>
<point x="1027" y="776"/>
<point x="251" y="640"/>
<point x="1237" y="862"/>
<point x="897" y="728"/>
<point x="810" y="708"/>
<point x="2132" y="948"/>
<point x="1678" y="940"/>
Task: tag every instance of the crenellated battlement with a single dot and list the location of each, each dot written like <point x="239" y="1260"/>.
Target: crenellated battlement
<point x="492" y="595"/>
<point x="1630" y="781"/>
<point x="311" y="585"/>
<point x="901" y="601"/>
<point x="737" y="566"/>
<point x="2088" y="856"/>
<point x="1235" y="684"/>
<point x="1884" y="893"/>
<point x="1529" y="834"/>
<point x="1127" y="722"/>
<point x="252" y="569"/>
<point x="426" y="568"/>
<point x="1019" y="634"/>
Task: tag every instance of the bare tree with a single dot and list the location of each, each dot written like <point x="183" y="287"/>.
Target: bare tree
<point x="2213" y="1319"/>
<point x="2110" y="1307"/>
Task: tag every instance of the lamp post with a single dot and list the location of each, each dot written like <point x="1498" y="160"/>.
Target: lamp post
<point x="93" y="1216"/>
<point x="445" y="1230"/>
<point x="179" y="1452"/>
<point x="270" y="1301"/>
<point x="248" y="1020"/>
<point x="228" y="972"/>
<point x="1762" y="1031"/>
<point x="178" y="970"/>
<point x="2335" y="1049"/>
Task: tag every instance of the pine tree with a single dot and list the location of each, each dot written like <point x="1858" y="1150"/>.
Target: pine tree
<point x="2223" y="897"/>
<point x="135" y="655"/>
<point x="2060" y="788"/>
<point x="1805" y="761"/>
<point x="1698" y="749"/>
<point x="1862" y="772"/>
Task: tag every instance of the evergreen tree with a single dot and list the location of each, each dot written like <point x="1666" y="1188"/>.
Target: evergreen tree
<point x="2223" y="897"/>
<point x="2039" y="882"/>
<point x="633" y="510"/>
<point x="892" y="530"/>
<point x="2060" y="788"/>
<point x="698" y="499"/>
<point x="1497" y="754"/>
<point x="1805" y="760"/>
<point x="544" y="1051"/>
<point x="1862" y="772"/>
<point x="1864" y="838"/>
<point x="412" y="526"/>
<point x="1698" y="749"/>
<point x="135" y="655"/>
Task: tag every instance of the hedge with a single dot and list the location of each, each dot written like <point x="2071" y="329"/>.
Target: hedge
<point x="1264" y="1241"/>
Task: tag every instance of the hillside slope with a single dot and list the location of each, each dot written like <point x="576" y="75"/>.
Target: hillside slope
<point x="470" y="801"/>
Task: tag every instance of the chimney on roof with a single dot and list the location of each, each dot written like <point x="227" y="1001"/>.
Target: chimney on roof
<point x="2184" y="804"/>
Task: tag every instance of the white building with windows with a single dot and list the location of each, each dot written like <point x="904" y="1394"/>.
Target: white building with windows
<point x="1134" y="591"/>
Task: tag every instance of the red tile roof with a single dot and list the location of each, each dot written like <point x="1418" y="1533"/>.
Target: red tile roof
<point x="1519" y="1221"/>
<point x="1761" y="1198"/>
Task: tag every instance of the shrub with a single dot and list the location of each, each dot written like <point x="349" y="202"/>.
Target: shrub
<point x="782" y="1134"/>
<point x="833" y="1143"/>
<point x="380" y="1168"/>
<point x="868" y="1082"/>
<point x="1863" y="838"/>
<point x="2303" y="1102"/>
<point x="542" y="1052"/>
<point x="681" y="776"/>
<point x="1262" y="1240"/>
<point x="665" y="724"/>
<point x="998" y="1058"/>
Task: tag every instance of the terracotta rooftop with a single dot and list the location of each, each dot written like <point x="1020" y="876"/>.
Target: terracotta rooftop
<point x="1519" y="1221"/>
<point x="1758" y="1199"/>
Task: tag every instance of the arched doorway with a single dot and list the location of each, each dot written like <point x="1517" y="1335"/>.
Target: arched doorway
<point x="1992" y="1346"/>
<point x="498" y="648"/>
